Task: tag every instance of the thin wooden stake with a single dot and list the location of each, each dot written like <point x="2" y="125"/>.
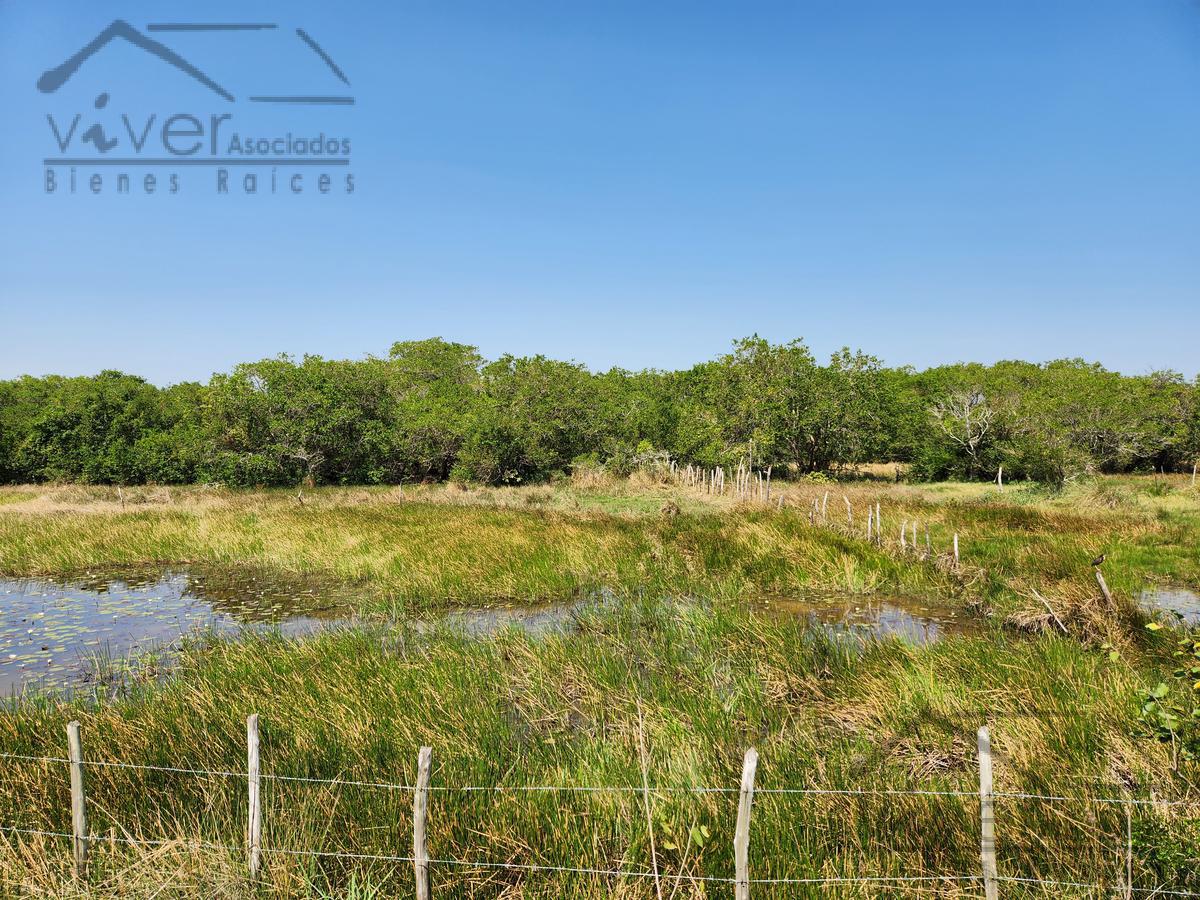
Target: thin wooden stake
<point x="956" y="549"/>
<point x="849" y="512"/>
<point x="903" y="533"/>
<point x="1104" y="588"/>
<point x="824" y="506"/>
<point x="420" y="809"/>
<point x="1050" y="609"/>
<point x="79" y="827"/>
<point x="741" y="836"/>
<point x="987" y="819"/>
<point x="1000" y="478"/>
<point x="254" y="798"/>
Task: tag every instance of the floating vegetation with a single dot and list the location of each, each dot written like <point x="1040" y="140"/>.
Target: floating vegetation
<point x="102" y="627"/>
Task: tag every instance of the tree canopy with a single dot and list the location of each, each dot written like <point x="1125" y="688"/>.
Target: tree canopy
<point x="434" y="409"/>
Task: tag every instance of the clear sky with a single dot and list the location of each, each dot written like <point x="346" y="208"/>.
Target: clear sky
<point x="621" y="183"/>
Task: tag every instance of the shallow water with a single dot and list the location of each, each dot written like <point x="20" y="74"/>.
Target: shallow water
<point x="1179" y="601"/>
<point x="101" y="630"/>
<point x="60" y="634"/>
<point x="913" y="619"/>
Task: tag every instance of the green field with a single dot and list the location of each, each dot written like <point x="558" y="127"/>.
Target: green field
<point x="665" y="672"/>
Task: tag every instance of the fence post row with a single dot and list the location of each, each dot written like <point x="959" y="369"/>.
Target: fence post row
<point x="741" y="835"/>
<point x="741" y="839"/>
<point x="987" y="818"/>
<point x="78" y="802"/>
<point x="420" y="809"/>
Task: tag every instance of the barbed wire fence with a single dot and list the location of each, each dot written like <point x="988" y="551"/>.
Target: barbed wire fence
<point x="988" y="876"/>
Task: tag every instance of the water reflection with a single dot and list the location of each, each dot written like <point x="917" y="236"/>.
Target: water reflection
<point x="55" y="634"/>
<point x="103" y="628"/>
<point x="913" y="619"/>
<point x="1181" y="602"/>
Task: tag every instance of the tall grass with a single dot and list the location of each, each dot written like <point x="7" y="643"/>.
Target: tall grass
<point x="695" y="683"/>
<point x="442" y="545"/>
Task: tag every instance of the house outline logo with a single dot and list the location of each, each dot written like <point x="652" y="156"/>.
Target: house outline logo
<point x="54" y="78"/>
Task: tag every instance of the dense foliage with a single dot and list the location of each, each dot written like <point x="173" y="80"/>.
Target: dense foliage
<point x="434" y="410"/>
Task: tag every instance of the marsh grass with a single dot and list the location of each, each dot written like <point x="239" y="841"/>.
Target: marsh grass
<point x="443" y="544"/>
<point x="563" y="709"/>
<point x="708" y="678"/>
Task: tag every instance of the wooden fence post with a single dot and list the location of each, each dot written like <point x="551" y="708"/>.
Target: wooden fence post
<point x="253" y="798"/>
<point x="956" y="549"/>
<point x="1104" y="588"/>
<point x="78" y="802"/>
<point x="849" y="512"/>
<point x="741" y="836"/>
<point x="420" y="809"/>
<point x="987" y="818"/>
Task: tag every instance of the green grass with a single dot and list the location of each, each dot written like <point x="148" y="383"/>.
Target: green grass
<point x="694" y="681"/>
<point x="695" y="684"/>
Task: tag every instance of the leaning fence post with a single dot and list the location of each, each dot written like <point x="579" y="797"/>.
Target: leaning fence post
<point x="741" y="836"/>
<point x="420" y="808"/>
<point x="78" y="802"/>
<point x="987" y="818"/>
<point x="253" y="797"/>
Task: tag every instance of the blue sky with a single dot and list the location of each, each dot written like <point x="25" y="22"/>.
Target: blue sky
<point x="626" y="183"/>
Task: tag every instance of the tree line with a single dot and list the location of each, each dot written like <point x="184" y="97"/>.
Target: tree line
<point x="435" y="410"/>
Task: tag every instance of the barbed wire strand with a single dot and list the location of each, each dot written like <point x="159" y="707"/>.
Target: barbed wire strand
<point x="698" y="789"/>
<point x="579" y="870"/>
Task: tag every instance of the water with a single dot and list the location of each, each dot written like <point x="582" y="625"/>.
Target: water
<point x="913" y="619"/>
<point x="58" y="634"/>
<point x="102" y="629"/>
<point x="1179" y="601"/>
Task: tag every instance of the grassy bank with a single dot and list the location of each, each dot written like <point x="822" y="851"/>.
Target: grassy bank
<point x="441" y="544"/>
<point x="692" y="685"/>
<point x="648" y="682"/>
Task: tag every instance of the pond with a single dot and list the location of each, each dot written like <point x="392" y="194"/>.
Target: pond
<point x="916" y="620"/>
<point x="99" y="630"/>
<point x="71" y="633"/>
<point x="1178" y="602"/>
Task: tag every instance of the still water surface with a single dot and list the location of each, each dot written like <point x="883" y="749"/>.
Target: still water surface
<point x="100" y="629"/>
